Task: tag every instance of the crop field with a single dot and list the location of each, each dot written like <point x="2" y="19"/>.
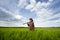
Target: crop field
<point x="26" y="34"/>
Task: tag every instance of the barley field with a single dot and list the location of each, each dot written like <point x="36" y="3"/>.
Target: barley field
<point x="26" y="34"/>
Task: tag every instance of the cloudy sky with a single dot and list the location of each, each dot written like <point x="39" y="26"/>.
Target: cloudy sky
<point x="46" y="13"/>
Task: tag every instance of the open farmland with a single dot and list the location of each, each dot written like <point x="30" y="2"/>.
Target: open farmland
<point x="25" y="34"/>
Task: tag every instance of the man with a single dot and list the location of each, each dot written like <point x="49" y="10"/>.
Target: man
<point x="30" y="24"/>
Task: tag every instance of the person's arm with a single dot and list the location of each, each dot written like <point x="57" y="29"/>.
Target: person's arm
<point x="28" y="23"/>
<point x="25" y="23"/>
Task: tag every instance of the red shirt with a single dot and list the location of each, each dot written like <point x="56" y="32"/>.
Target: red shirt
<point x="31" y="25"/>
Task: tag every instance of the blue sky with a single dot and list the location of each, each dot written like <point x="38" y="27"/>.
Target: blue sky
<point x="46" y="13"/>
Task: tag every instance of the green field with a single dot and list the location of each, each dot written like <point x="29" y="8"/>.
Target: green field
<point x="25" y="34"/>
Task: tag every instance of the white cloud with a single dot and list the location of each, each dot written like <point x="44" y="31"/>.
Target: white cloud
<point x="43" y="14"/>
<point x="29" y="7"/>
<point x="3" y="9"/>
<point x="33" y="2"/>
<point x="51" y="0"/>
<point x="41" y="9"/>
<point x="37" y="6"/>
<point x="11" y="5"/>
<point x="22" y="3"/>
<point x="42" y="20"/>
<point x="18" y="17"/>
<point x="54" y="23"/>
<point x="14" y="16"/>
<point x="45" y="4"/>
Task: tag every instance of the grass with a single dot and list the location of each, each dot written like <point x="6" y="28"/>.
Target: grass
<point x="25" y="34"/>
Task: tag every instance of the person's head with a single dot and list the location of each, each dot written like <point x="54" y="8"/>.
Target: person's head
<point x="31" y="19"/>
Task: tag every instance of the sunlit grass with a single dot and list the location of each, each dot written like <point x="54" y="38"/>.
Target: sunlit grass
<point x="26" y="34"/>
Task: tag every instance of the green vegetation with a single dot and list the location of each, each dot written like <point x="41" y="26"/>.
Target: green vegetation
<point x="25" y="34"/>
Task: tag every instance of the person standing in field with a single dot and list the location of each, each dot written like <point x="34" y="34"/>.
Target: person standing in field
<point x="31" y="24"/>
